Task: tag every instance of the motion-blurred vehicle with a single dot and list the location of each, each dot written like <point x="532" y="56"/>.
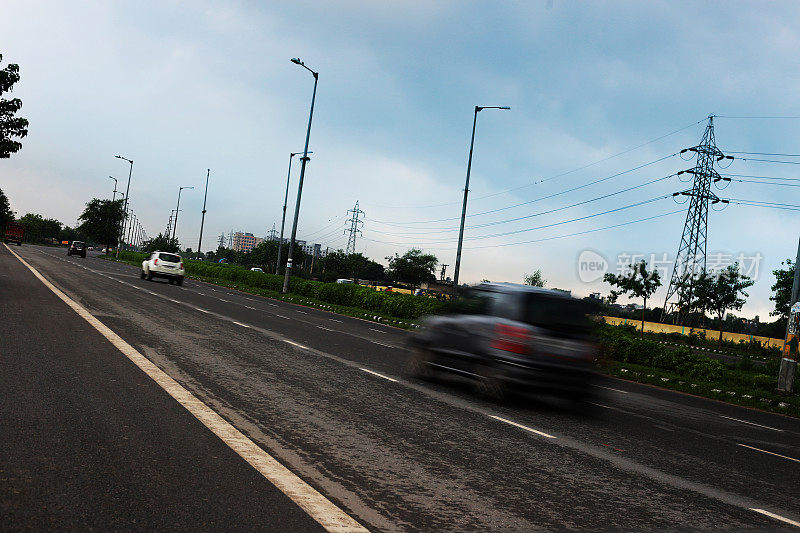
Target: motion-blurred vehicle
<point x="508" y="337"/>
<point x="344" y="281"/>
<point x="14" y="233"/>
<point x="90" y="248"/>
<point x="163" y="265"/>
<point x="256" y="269"/>
<point x="77" y="248"/>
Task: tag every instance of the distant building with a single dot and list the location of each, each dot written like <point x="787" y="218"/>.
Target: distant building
<point x="245" y="242"/>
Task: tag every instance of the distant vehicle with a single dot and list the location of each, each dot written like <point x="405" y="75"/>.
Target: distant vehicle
<point x="77" y="248"/>
<point x="15" y="232"/>
<point x="509" y="337"/>
<point x="344" y="281"/>
<point x="163" y="265"/>
<point x="256" y="269"/>
<point x="90" y="248"/>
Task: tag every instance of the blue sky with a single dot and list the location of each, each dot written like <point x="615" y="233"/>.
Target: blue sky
<point x="182" y="87"/>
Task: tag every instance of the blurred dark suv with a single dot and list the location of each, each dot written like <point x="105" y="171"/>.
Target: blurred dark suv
<point x="77" y="248"/>
<point x="511" y="337"/>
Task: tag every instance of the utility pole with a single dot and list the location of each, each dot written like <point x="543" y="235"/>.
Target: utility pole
<point x="354" y="228"/>
<point x="691" y="258"/>
<point x="441" y="276"/>
<point x="203" y="218"/>
<point x="789" y="361"/>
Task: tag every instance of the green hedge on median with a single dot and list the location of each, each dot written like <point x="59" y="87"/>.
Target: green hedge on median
<point x="384" y="303"/>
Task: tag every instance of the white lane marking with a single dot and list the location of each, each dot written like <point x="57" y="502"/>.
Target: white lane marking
<point x="368" y="371"/>
<point x="379" y="331"/>
<point x="326" y="329"/>
<point x="174" y="300"/>
<point x="609" y="388"/>
<point x="776" y="516"/>
<point x="334" y="320"/>
<point x="382" y="344"/>
<point x="250" y="307"/>
<point x="599" y="405"/>
<point x="771" y="453"/>
<point x="281" y="316"/>
<point x="526" y="428"/>
<point x="240" y="324"/>
<point x="201" y="310"/>
<point x="309" y="499"/>
<point x="150" y="292"/>
<point x="273" y="305"/>
<point x="303" y="312"/>
<point x="298" y="345"/>
<point x="223" y="300"/>
<point x="751" y="423"/>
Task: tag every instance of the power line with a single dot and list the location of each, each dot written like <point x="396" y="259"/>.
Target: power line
<point x="763" y="117"/>
<point x="762" y="153"/>
<point x="769" y="161"/>
<point x="761" y="177"/>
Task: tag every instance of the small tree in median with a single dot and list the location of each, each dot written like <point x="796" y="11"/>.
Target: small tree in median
<point x="718" y="292"/>
<point x="637" y="282"/>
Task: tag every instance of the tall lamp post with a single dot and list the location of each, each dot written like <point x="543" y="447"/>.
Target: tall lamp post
<point x="125" y="206"/>
<point x="177" y="209"/>
<point x="114" y="194"/>
<point x="283" y="219"/>
<point x="302" y="175"/>
<point x="203" y="218"/>
<point x="478" y="109"/>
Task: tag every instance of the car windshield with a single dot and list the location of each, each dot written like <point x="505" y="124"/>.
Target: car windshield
<point x="170" y="258"/>
<point x="77" y="244"/>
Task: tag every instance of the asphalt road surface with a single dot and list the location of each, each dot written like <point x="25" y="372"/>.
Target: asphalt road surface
<point x="89" y="440"/>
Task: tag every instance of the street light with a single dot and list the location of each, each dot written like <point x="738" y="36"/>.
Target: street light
<point x="203" y="219"/>
<point x="466" y="191"/>
<point x="283" y="219"/>
<point x="288" y="272"/>
<point x="125" y="205"/>
<point x="114" y="194"/>
<point x="178" y="208"/>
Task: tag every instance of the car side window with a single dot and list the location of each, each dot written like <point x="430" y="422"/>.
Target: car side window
<point x="504" y="305"/>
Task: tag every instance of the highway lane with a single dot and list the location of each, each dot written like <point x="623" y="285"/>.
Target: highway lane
<point x="649" y="458"/>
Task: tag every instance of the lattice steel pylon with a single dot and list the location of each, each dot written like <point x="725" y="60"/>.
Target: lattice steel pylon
<point x="691" y="258"/>
<point x="354" y="228"/>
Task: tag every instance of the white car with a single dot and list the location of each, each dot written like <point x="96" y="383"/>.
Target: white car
<point x="163" y="265"/>
<point x="256" y="269"/>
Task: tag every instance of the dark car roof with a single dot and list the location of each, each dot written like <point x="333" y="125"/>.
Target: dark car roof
<point x="518" y="287"/>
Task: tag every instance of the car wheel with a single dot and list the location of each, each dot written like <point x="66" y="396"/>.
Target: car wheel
<point x="171" y="281"/>
<point x="419" y="363"/>
<point x="141" y="274"/>
<point x="149" y="276"/>
<point x="490" y="384"/>
<point x="179" y="281"/>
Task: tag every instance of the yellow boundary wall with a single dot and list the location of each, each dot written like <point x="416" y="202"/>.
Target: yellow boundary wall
<point x="657" y="327"/>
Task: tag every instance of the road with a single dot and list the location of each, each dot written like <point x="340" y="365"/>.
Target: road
<point x="327" y="397"/>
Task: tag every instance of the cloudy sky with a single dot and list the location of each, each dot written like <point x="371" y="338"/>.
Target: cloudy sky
<point x="595" y="89"/>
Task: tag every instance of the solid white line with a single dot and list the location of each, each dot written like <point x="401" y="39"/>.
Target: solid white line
<point x="609" y="388"/>
<point x="309" y="499"/>
<point x="599" y="405"/>
<point x="526" y="428"/>
<point x="201" y="310"/>
<point x="771" y="453"/>
<point x="240" y="324"/>
<point x="368" y="371"/>
<point x="776" y="516"/>
<point x="296" y="344"/>
<point x="751" y="423"/>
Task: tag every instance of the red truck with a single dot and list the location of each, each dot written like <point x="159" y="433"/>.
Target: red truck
<point x="14" y="233"/>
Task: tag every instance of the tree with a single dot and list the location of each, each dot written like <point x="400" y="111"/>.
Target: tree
<point x="10" y="126"/>
<point x="6" y="214"/>
<point x="718" y="292"/>
<point x="636" y="281"/>
<point x="535" y="279"/>
<point x="162" y="243"/>
<point x="101" y="221"/>
<point x="339" y="264"/>
<point x="413" y="267"/>
<point x="40" y="229"/>
<point x="782" y="289"/>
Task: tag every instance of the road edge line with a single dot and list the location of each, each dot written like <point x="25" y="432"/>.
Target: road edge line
<point x="325" y="512"/>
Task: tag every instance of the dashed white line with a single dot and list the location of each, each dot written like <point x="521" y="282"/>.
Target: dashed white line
<point x="273" y="305"/>
<point x="281" y="316"/>
<point x="326" y="329"/>
<point x="771" y="453"/>
<point x="223" y="300"/>
<point x="302" y="312"/>
<point x="751" y="423"/>
<point x="368" y="371"/>
<point x="382" y="344"/>
<point x="526" y="428"/>
<point x="250" y="307"/>
<point x="609" y="388"/>
<point x="379" y="331"/>
<point x="240" y="324"/>
<point x="334" y="320"/>
<point x="599" y="405"/>
<point x="776" y="517"/>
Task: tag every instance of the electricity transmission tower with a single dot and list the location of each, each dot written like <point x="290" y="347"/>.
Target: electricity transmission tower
<point x="354" y="228"/>
<point x="691" y="258"/>
<point x="221" y="240"/>
<point x="169" y="223"/>
<point x="273" y="234"/>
